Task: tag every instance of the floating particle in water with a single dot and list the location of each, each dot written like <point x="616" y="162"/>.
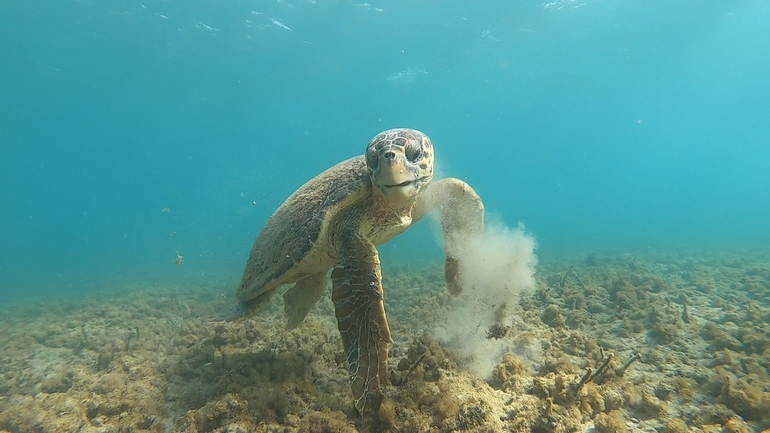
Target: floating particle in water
<point x="280" y="24"/>
<point x="406" y="75"/>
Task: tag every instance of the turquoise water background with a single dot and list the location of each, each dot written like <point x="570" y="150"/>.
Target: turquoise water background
<point x="131" y="130"/>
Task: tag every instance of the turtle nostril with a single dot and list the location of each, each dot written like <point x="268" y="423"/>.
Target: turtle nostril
<point x="389" y="155"/>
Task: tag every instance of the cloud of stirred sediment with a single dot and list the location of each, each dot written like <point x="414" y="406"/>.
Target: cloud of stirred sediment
<point x="495" y="269"/>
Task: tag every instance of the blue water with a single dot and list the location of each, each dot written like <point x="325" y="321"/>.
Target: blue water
<point x="130" y="130"/>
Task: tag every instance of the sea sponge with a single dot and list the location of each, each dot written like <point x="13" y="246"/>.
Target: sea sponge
<point x="387" y="414"/>
<point x="503" y="373"/>
<point x="216" y="414"/>
<point x="553" y="317"/>
<point x="627" y="296"/>
<point x="676" y="425"/>
<point x="591" y="400"/>
<point x="664" y="326"/>
<point x="712" y="414"/>
<point x="447" y="406"/>
<point x="326" y="421"/>
<point x="523" y="340"/>
<point x="644" y="402"/>
<point x="274" y="405"/>
<point x="556" y="362"/>
<point x="612" y="422"/>
<point x="110" y="382"/>
<point x="736" y="425"/>
<point x="719" y="337"/>
<point x="471" y="416"/>
<point x="681" y="387"/>
<point x="56" y="382"/>
<point x="755" y="339"/>
<point x="612" y="399"/>
<point x="746" y="398"/>
<point x="576" y="319"/>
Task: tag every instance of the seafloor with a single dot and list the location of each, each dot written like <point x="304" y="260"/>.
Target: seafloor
<point x="669" y="342"/>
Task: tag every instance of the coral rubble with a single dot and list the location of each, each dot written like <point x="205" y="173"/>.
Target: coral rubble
<point x="657" y="342"/>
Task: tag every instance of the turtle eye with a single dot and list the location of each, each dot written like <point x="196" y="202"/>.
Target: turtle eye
<point x="412" y="150"/>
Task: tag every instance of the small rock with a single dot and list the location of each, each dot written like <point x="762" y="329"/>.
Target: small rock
<point x="55" y="382"/>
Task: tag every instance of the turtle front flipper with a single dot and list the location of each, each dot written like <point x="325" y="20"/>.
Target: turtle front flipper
<point x="462" y="216"/>
<point x="358" y="302"/>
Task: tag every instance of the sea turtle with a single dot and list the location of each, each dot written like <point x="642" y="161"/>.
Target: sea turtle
<point x="335" y="221"/>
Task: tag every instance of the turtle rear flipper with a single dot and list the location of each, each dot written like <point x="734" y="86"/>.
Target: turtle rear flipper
<point x="244" y="309"/>
<point x="358" y="301"/>
<point x="236" y="313"/>
<point x="299" y="300"/>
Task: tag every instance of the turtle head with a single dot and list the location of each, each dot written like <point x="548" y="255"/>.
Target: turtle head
<point x="400" y="163"/>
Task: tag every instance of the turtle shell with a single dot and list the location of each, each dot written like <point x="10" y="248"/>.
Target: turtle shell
<point x="294" y="242"/>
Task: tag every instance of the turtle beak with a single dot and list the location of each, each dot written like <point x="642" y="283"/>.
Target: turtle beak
<point x="396" y="179"/>
<point x="393" y="171"/>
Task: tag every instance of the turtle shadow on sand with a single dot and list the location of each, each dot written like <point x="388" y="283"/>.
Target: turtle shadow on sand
<point x="205" y="376"/>
<point x="261" y="371"/>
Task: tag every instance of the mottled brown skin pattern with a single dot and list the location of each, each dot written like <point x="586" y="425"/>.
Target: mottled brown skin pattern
<point x="335" y="221"/>
<point x="358" y="302"/>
